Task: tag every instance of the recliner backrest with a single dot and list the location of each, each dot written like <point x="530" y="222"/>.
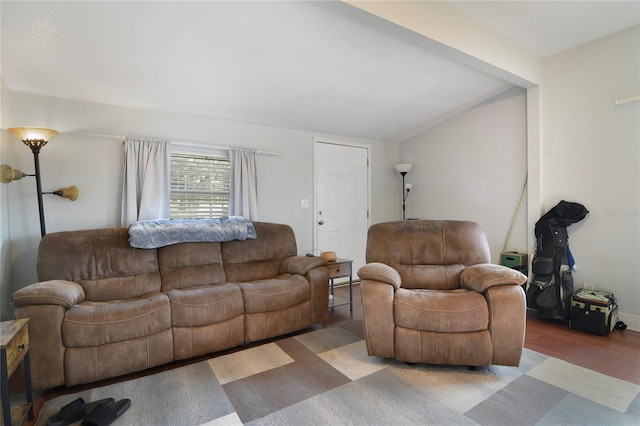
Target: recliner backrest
<point x="259" y="258"/>
<point x="187" y="265"/>
<point x="428" y="254"/>
<point x="102" y="261"/>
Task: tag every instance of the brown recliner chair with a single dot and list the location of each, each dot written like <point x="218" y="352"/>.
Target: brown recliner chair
<point x="430" y="295"/>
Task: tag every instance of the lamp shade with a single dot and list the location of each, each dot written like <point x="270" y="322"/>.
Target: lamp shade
<point x="408" y="186"/>
<point x="9" y="174"/>
<point x="33" y="137"/>
<point x="70" y="193"/>
<point x="403" y="168"/>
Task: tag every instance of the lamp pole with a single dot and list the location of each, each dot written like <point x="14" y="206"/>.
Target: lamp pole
<point x="404" y="196"/>
<point x="36" y="161"/>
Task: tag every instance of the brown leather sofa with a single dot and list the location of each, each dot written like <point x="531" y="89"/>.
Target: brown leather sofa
<point x="104" y="309"/>
<point x="430" y="295"/>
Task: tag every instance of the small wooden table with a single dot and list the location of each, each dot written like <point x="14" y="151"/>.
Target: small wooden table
<point x="14" y="349"/>
<point x="338" y="269"/>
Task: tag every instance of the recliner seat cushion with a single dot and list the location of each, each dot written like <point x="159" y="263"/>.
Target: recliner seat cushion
<point x="448" y="311"/>
<point x="201" y="306"/>
<point x="275" y="294"/>
<point x="91" y="324"/>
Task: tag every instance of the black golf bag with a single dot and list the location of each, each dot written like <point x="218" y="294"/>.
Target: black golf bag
<point x="551" y="286"/>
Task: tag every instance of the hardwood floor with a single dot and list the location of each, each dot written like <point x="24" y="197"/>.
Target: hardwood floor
<point x="616" y="355"/>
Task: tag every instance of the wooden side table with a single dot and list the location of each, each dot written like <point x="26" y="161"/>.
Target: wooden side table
<point x="338" y="269"/>
<point x="14" y="348"/>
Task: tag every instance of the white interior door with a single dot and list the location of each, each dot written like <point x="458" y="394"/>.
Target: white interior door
<point x="342" y="200"/>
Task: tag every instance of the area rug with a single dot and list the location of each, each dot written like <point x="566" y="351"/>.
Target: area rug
<point x="325" y="377"/>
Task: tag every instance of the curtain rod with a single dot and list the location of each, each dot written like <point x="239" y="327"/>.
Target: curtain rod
<point x="122" y="138"/>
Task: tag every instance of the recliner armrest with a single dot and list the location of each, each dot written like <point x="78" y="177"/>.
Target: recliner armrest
<point x="485" y="275"/>
<point x="377" y="271"/>
<point x="301" y="264"/>
<point x="53" y="292"/>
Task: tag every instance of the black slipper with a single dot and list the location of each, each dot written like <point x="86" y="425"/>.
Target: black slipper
<point x="105" y="414"/>
<point x="74" y="411"/>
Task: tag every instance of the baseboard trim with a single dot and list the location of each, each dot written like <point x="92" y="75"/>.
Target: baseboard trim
<point x="632" y="321"/>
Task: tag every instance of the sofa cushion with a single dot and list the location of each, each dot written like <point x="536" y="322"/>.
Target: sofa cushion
<point x="201" y="306"/>
<point x="99" y="323"/>
<point x="190" y="265"/>
<point x="102" y="261"/>
<point x="451" y="311"/>
<point x="275" y="294"/>
<point x="260" y="258"/>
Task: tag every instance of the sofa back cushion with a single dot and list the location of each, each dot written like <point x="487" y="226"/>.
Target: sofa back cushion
<point x="189" y="265"/>
<point x="427" y="253"/>
<point x="259" y="258"/>
<point x="102" y="261"/>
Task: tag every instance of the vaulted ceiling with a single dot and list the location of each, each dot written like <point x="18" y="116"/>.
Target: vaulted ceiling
<point x="288" y="64"/>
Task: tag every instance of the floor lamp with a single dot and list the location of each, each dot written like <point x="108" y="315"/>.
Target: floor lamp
<point x="403" y="169"/>
<point x="35" y="138"/>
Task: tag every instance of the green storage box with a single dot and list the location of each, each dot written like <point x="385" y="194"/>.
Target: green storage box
<point x="514" y="260"/>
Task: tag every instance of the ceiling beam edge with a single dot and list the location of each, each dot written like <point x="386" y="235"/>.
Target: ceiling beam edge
<point x="446" y="31"/>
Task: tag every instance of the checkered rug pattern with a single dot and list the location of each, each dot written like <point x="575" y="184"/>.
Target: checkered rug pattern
<point x="325" y="377"/>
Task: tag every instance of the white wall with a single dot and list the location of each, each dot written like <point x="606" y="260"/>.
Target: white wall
<point x="440" y="27"/>
<point x="95" y="166"/>
<point x="591" y="155"/>
<point x="5" y="266"/>
<point x="472" y="167"/>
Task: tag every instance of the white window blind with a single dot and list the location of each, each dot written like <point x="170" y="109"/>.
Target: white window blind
<point x="199" y="186"/>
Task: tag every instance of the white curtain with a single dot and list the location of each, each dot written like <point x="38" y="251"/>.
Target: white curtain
<point x="147" y="180"/>
<point x="244" y="183"/>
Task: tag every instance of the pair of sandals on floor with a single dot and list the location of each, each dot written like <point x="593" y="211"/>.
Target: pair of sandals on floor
<point x="97" y="413"/>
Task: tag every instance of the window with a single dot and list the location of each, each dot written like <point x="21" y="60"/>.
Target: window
<point x="199" y="186"/>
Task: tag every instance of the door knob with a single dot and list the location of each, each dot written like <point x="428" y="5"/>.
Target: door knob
<point x="321" y="222"/>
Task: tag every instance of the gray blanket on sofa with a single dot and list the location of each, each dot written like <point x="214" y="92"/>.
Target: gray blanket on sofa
<point x="163" y="232"/>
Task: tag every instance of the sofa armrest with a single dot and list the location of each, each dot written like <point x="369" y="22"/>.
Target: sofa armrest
<point x="46" y="349"/>
<point x="377" y="315"/>
<point x="319" y="282"/>
<point x="507" y="322"/>
<point x="301" y="264"/>
<point x="380" y="272"/>
<point x="485" y="275"/>
<point x="54" y="292"/>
